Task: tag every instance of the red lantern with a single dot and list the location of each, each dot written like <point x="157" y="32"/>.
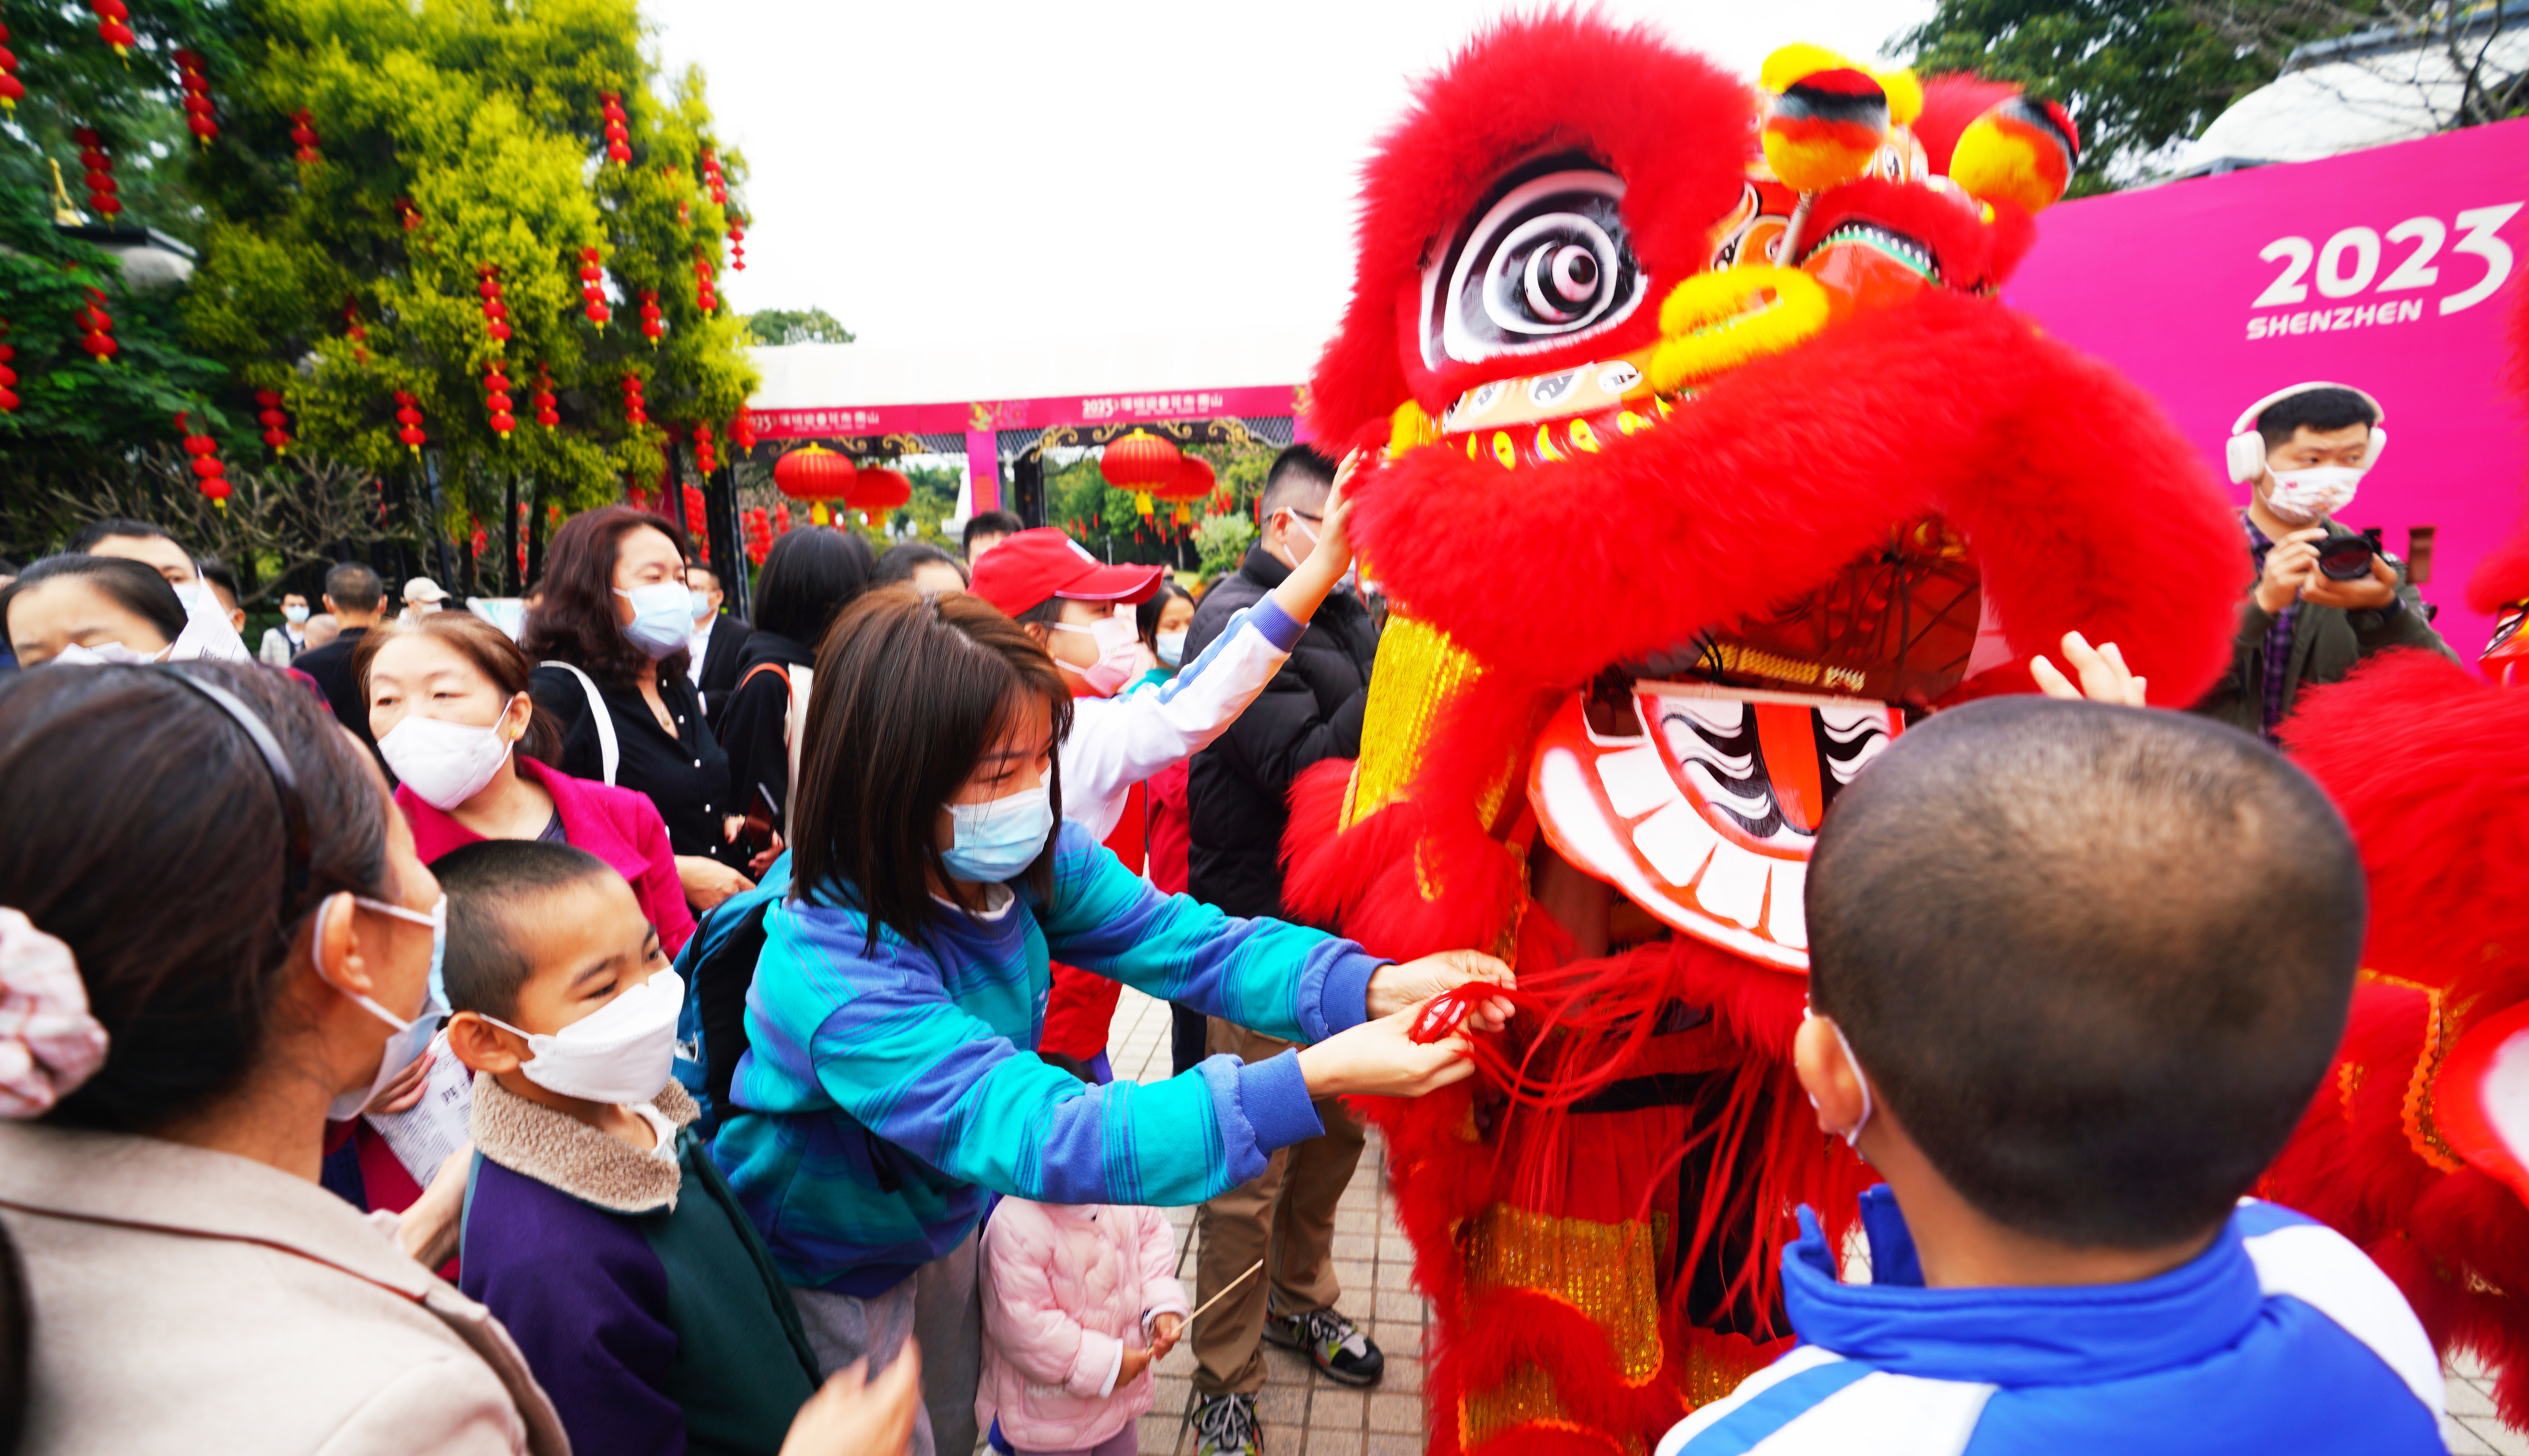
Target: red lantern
<point x="741" y="432"/>
<point x="11" y="87"/>
<point x="618" y="131"/>
<point x="274" y="421"/>
<point x="96" y="328"/>
<point x="110" y="27"/>
<point x="496" y="400"/>
<point x="817" y="476"/>
<point x="737" y="243"/>
<point x="636" y="413"/>
<point x="697" y="519"/>
<point x="592" y="288"/>
<point x="194" y="77"/>
<point x="711" y="179"/>
<point x="706" y="459"/>
<point x="409" y="417"/>
<point x="879" y="491"/>
<point x="495" y="313"/>
<point x="209" y="475"/>
<point x="101" y="186"/>
<point x="8" y="377"/>
<point x="302" y="134"/>
<point x="1140" y="462"/>
<point x="706" y="295"/>
<point x="651" y="327"/>
<point x="543" y="398"/>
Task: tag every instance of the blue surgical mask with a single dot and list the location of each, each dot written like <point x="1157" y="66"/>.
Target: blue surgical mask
<point x="997" y="839"/>
<point x="1171" y="647"/>
<point x="662" y="618"/>
<point x="294" y="614"/>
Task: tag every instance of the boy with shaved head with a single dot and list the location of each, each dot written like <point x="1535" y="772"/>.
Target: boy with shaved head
<point x="2076" y="971"/>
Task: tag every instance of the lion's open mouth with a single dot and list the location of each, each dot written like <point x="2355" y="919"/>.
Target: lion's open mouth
<point x="1856" y="233"/>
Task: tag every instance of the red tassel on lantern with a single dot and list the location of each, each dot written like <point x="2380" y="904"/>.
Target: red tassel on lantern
<point x="408" y="416"/>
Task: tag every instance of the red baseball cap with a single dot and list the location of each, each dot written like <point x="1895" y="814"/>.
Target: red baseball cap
<point x="1026" y="568"/>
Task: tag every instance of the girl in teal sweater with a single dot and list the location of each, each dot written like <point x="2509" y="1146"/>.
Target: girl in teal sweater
<point x="890" y="1085"/>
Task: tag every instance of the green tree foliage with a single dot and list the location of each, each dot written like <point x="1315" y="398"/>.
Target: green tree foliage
<point x="457" y="136"/>
<point x="797" y="326"/>
<point x="2136" y="75"/>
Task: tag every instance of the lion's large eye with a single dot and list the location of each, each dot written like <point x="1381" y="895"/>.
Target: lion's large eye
<point x="1544" y="262"/>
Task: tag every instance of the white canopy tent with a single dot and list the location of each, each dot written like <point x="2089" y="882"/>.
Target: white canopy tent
<point x="817" y="376"/>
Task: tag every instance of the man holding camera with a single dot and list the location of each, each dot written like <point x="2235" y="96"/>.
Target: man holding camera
<point x="2324" y="598"/>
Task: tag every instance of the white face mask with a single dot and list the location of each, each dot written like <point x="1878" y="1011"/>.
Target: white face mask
<point x="105" y="653"/>
<point x="445" y="763"/>
<point x="2302" y="496"/>
<point x="620" y="1053"/>
<point x="662" y="618"/>
<point x="1853" y="1135"/>
<point x="701" y="603"/>
<point x="294" y="614"/>
<point x="1171" y="647"/>
<point x="1116" y="640"/>
<point x="411" y="1037"/>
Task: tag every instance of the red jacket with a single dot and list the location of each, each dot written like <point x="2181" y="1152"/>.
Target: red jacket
<point x="617" y="825"/>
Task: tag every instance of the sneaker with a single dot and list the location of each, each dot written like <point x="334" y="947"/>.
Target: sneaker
<point x="1334" y="1343"/>
<point x="1226" y="1426"/>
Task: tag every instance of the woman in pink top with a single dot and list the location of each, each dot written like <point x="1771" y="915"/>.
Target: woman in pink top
<point x="449" y="707"/>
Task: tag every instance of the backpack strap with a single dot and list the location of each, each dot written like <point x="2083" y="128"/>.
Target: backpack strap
<point x="609" y="752"/>
<point x="759" y="670"/>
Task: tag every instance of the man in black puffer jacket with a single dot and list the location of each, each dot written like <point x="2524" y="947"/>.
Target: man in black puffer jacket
<point x="1239" y="792"/>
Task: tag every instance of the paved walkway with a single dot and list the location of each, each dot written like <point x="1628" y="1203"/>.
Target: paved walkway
<point x="1306" y="1413"/>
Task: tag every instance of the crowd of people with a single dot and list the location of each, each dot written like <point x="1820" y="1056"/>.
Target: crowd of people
<point x="717" y="1000"/>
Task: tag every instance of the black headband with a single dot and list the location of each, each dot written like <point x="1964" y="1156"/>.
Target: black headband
<point x="284" y="784"/>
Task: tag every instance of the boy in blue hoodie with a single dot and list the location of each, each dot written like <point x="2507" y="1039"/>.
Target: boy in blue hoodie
<point x="2076" y="971"/>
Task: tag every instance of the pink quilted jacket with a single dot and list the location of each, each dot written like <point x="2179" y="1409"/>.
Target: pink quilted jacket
<point x="1066" y="1288"/>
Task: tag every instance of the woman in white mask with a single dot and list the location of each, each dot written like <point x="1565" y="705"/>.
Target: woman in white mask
<point x="450" y="708"/>
<point x="214" y="931"/>
<point x="91" y="608"/>
<point x="608" y="636"/>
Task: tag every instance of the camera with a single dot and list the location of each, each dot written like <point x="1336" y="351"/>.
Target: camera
<point x="2348" y="558"/>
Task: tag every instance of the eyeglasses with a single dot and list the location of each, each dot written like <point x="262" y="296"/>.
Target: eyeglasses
<point x="284" y="784"/>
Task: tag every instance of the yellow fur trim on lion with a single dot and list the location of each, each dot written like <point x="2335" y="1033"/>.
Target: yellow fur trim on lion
<point x="1708" y="327"/>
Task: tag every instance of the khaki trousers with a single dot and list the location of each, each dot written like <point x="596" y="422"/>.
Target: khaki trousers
<point x="1286" y="1217"/>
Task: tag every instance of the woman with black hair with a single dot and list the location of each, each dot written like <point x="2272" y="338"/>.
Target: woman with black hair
<point x="213" y="933"/>
<point x="89" y="609"/>
<point x="811" y="575"/>
<point x="609" y="640"/>
<point x="923" y="566"/>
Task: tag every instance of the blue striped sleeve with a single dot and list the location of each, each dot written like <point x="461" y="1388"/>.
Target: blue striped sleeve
<point x="1285" y="981"/>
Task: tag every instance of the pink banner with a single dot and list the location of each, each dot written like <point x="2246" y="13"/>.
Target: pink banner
<point x="2393" y="270"/>
<point x="1265" y="402"/>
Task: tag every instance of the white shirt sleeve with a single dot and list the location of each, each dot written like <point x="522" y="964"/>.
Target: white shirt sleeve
<point x="1117" y="742"/>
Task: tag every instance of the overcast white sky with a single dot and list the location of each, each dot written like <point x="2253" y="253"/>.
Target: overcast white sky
<point x="942" y="173"/>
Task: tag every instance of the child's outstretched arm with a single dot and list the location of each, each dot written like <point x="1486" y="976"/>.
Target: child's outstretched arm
<point x="1304" y="589"/>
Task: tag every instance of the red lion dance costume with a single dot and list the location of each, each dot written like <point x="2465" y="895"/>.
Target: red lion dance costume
<point x="1711" y="461"/>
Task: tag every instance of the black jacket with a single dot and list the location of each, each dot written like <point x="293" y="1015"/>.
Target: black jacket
<point x="685" y="776"/>
<point x="722" y="664"/>
<point x="752" y="718"/>
<point x="1240" y="787"/>
<point x="331" y="666"/>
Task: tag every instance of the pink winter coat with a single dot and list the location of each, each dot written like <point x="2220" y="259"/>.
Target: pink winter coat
<point x="1066" y="1288"/>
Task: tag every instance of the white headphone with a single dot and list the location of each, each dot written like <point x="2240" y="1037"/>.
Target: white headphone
<point x="2246" y="453"/>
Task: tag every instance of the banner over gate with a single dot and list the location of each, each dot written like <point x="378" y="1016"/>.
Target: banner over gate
<point x="2393" y="270"/>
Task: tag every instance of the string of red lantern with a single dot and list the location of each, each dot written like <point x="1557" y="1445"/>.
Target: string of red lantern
<point x="110" y="27"/>
<point x="741" y="432"/>
<point x="737" y="243"/>
<point x="706" y="296"/>
<point x="407" y="215"/>
<point x="759" y="534"/>
<point x="592" y="288"/>
<point x="101" y="186"/>
<point x="409" y="417"/>
<point x="11" y="87"/>
<point x="636" y="413"/>
<point x="193" y="75"/>
<point x="651" y="327"/>
<point x="352" y="329"/>
<point x="209" y="474"/>
<point x="543" y="398"/>
<point x="96" y="327"/>
<point x="618" y="132"/>
<point x="496" y="399"/>
<point x="496" y="311"/>
<point x="697" y="519"/>
<point x="302" y="134"/>
<point x="712" y="181"/>
<point x="8" y="377"/>
<point x="706" y="459"/>
<point x="274" y="419"/>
